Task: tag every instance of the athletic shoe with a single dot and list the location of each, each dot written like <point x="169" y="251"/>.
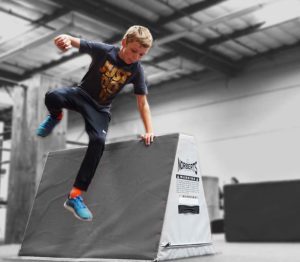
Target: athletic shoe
<point x="46" y="127"/>
<point x="78" y="208"/>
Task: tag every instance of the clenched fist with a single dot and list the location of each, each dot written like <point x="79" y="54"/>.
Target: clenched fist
<point x="63" y="42"/>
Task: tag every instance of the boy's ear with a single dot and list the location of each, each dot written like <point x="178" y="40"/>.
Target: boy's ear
<point x="123" y="42"/>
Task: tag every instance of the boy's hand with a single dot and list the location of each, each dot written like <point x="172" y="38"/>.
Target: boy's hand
<point x="148" y="138"/>
<point x="63" y="42"/>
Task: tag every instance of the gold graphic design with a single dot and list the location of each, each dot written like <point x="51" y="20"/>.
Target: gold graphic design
<point x="112" y="80"/>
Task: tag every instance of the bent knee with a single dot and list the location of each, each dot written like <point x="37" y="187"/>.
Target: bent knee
<point x="98" y="139"/>
<point x="52" y="97"/>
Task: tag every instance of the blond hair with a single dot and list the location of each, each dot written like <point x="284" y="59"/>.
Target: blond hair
<point x="140" y="34"/>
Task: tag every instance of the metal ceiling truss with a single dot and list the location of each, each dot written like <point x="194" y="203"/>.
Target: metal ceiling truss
<point x="65" y="10"/>
<point x="269" y="54"/>
<point x="120" y="18"/>
<point x="155" y="61"/>
<point x="189" y="10"/>
<point x="34" y="43"/>
<point x="9" y="75"/>
<point x="43" y="20"/>
<point x="123" y="18"/>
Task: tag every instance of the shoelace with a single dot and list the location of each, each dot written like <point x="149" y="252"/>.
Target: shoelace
<point x="79" y="202"/>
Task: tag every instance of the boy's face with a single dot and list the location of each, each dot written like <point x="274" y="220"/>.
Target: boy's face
<point x="132" y="52"/>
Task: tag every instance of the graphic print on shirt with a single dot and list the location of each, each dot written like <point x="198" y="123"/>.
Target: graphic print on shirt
<point x="113" y="78"/>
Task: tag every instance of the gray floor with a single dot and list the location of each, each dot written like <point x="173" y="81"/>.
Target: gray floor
<point x="227" y="252"/>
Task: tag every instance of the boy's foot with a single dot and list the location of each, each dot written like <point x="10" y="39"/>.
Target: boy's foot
<point x="46" y="127"/>
<point x="78" y="208"/>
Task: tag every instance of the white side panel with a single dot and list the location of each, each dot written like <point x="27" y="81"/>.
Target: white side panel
<point x="186" y="234"/>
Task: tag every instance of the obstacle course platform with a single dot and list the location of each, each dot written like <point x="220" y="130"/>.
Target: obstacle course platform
<point x="148" y="204"/>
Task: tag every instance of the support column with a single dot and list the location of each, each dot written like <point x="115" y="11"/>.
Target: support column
<point x="1" y="145"/>
<point x="28" y="152"/>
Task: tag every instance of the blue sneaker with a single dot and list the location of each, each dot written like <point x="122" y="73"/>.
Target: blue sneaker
<point x="46" y="127"/>
<point x="78" y="208"/>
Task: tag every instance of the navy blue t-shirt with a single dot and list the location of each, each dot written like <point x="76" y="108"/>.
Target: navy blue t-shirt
<point x="108" y="73"/>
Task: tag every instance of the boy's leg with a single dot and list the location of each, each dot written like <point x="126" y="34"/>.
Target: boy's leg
<point x="72" y="98"/>
<point x="55" y="101"/>
<point x="96" y="126"/>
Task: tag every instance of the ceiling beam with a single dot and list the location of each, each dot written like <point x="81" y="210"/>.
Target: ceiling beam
<point x="157" y="60"/>
<point x="123" y="18"/>
<point x="269" y="54"/>
<point x="12" y="13"/>
<point x="34" y="43"/>
<point x="163" y="58"/>
<point x="163" y="74"/>
<point x="154" y="62"/>
<point x="188" y="10"/>
<point x="62" y="60"/>
<point x="194" y="76"/>
<point x="35" y="24"/>
<point x="184" y="33"/>
<point x="170" y="55"/>
<point x="50" y="65"/>
<point x="9" y="76"/>
<point x="41" y="21"/>
<point x="212" y="42"/>
<point x="241" y="63"/>
<point x="235" y="34"/>
<point x="60" y="12"/>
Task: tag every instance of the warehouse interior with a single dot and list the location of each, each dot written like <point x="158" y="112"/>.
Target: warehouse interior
<point x="224" y="71"/>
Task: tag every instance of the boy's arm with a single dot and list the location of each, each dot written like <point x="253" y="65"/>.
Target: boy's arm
<point x="145" y="113"/>
<point x="65" y="42"/>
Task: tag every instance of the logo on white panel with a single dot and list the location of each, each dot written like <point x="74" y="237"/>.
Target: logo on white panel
<point x="187" y="166"/>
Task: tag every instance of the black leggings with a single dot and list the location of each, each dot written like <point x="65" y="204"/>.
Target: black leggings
<point x="96" y="126"/>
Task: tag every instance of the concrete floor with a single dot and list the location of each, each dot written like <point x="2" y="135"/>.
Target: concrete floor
<point x="227" y="252"/>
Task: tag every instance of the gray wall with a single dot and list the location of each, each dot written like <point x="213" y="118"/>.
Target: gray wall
<point x="247" y="126"/>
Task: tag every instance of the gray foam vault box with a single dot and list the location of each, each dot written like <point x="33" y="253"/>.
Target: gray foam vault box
<point x="148" y="204"/>
<point x="263" y="211"/>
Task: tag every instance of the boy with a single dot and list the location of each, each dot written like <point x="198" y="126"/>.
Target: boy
<point x="111" y="68"/>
